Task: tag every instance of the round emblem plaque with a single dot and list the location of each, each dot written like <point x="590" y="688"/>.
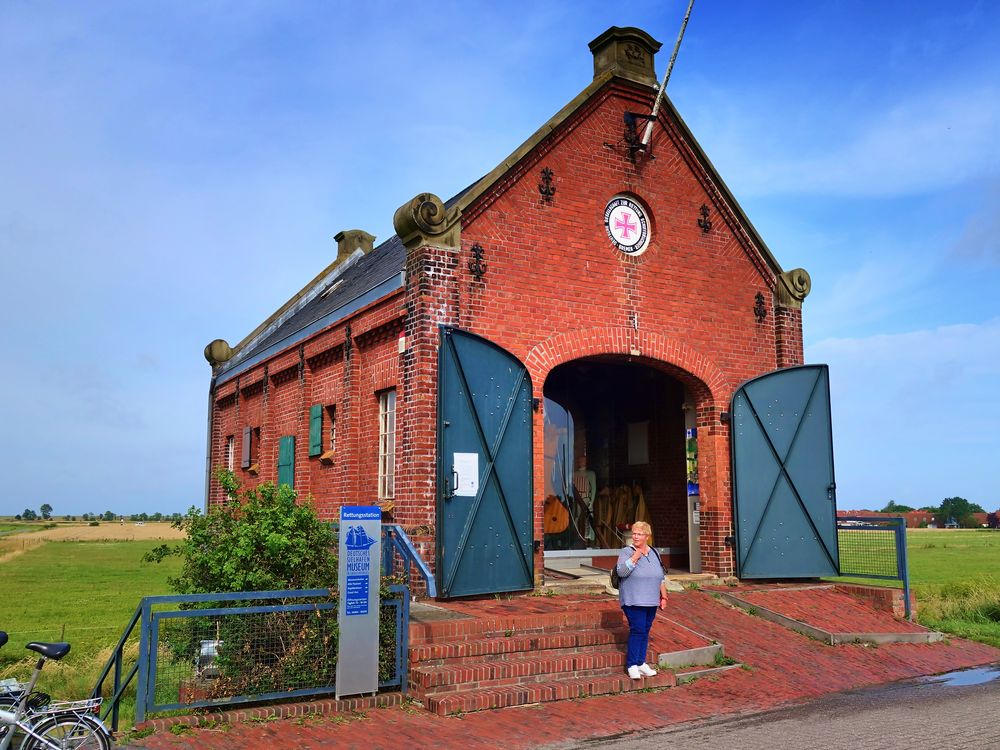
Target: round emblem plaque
<point x="627" y="225"/>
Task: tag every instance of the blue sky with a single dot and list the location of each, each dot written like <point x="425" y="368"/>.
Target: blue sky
<point x="171" y="173"/>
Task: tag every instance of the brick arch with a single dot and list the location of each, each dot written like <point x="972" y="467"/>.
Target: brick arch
<point x="669" y="354"/>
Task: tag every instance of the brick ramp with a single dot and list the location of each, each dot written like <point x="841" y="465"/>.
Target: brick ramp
<point x="829" y="613"/>
<point x="783" y="667"/>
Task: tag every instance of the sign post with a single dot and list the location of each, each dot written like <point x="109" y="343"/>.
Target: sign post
<point x="359" y="569"/>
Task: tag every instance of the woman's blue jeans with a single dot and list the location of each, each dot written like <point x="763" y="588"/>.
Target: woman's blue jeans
<point x="640" y="620"/>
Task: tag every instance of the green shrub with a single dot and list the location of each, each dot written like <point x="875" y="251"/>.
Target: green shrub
<point x="263" y="539"/>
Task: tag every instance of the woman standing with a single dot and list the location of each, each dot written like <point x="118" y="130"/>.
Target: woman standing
<point x="640" y="591"/>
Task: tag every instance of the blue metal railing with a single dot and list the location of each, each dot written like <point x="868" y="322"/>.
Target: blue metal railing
<point x="875" y="547"/>
<point x="396" y="541"/>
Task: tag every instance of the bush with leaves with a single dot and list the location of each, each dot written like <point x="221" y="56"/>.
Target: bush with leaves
<point x="261" y="539"/>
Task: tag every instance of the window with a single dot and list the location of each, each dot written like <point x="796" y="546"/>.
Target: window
<point x="331" y="430"/>
<point x="230" y="452"/>
<point x="387" y="444"/>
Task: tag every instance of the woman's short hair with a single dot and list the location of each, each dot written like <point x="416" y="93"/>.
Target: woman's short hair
<point x="643" y="527"/>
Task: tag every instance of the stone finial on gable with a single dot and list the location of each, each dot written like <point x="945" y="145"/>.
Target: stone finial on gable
<point x="793" y="287"/>
<point x="627" y="53"/>
<point x="218" y="351"/>
<point x="353" y="239"/>
<point x="425" y="221"/>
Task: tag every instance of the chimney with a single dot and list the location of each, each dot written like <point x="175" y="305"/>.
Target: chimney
<point x="353" y="239"/>
<point x="627" y="53"/>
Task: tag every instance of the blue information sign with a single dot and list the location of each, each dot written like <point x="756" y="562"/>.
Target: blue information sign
<point x="359" y="570"/>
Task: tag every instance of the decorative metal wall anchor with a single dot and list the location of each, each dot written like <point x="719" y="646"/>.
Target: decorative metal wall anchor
<point x="545" y="187"/>
<point x="476" y="265"/>
<point x="631" y="141"/>
<point x="348" y="342"/>
<point x="759" y="309"/>
<point x="704" y="222"/>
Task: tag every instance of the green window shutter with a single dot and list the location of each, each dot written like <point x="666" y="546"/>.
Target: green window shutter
<point x="286" y="460"/>
<point x="245" y="457"/>
<point x="315" y="429"/>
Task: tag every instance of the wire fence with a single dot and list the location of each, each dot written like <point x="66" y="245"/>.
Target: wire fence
<point x="253" y="650"/>
<point x="202" y="650"/>
<point x="867" y="552"/>
<point x="874" y="548"/>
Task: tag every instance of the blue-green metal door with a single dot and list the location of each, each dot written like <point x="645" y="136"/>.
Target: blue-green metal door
<point x="484" y="483"/>
<point x="784" y="494"/>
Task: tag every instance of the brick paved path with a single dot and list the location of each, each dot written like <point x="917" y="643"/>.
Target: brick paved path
<point x="783" y="667"/>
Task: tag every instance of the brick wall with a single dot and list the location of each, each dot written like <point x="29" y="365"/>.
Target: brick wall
<point x="555" y="291"/>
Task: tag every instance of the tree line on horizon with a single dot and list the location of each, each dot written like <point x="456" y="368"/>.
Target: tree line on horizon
<point x="44" y="513"/>
<point x="951" y="508"/>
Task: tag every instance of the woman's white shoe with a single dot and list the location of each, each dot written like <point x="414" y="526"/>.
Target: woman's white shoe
<point x="646" y="671"/>
<point x="634" y="673"/>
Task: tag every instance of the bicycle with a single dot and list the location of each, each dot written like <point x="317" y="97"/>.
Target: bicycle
<point x="39" y="724"/>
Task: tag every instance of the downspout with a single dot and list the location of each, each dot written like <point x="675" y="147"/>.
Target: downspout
<point x="208" y="442"/>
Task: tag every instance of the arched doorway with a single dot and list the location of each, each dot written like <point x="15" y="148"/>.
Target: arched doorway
<point x="619" y="447"/>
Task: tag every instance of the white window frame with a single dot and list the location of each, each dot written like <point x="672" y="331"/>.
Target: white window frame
<point x="387" y="444"/>
<point x="230" y="452"/>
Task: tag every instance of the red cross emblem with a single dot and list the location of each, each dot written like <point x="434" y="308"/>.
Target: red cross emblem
<point x="624" y="223"/>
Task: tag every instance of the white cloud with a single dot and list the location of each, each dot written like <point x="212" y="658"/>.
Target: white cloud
<point x="916" y="415"/>
<point x="980" y="239"/>
<point x="915" y="144"/>
<point x="875" y="290"/>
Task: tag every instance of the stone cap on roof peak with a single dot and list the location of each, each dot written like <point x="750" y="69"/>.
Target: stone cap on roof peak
<point x="626" y="52"/>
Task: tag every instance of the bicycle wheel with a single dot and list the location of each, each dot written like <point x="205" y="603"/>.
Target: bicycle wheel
<point x="68" y="732"/>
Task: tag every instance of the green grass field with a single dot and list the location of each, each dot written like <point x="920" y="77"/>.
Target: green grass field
<point x="82" y="592"/>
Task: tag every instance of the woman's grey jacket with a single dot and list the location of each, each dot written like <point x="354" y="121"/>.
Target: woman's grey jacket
<point x="639" y="586"/>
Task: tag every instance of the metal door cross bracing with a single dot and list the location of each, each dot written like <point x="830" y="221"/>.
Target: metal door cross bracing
<point x="484" y="475"/>
<point x="784" y="494"/>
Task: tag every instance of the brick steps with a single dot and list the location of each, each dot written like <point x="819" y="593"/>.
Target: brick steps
<point x="541" y="692"/>
<point x="533" y="668"/>
<point x="455" y="631"/>
<point x="498" y="661"/>
<point x="504" y="647"/>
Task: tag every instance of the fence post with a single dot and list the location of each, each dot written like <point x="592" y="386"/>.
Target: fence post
<point x="142" y="685"/>
<point x="118" y="686"/>
<point x="903" y="564"/>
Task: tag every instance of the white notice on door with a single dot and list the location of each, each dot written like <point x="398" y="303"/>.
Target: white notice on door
<point x="466" y="468"/>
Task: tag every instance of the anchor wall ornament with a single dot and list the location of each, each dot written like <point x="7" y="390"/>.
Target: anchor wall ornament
<point x="705" y="222"/>
<point x="476" y="265"/>
<point x="545" y="187"/>
<point x="759" y="309"/>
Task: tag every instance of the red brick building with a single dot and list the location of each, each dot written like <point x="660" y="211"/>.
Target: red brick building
<point x="626" y="280"/>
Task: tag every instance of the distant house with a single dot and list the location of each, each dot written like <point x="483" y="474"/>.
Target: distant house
<point x="915" y="519"/>
<point x="981" y="519"/>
